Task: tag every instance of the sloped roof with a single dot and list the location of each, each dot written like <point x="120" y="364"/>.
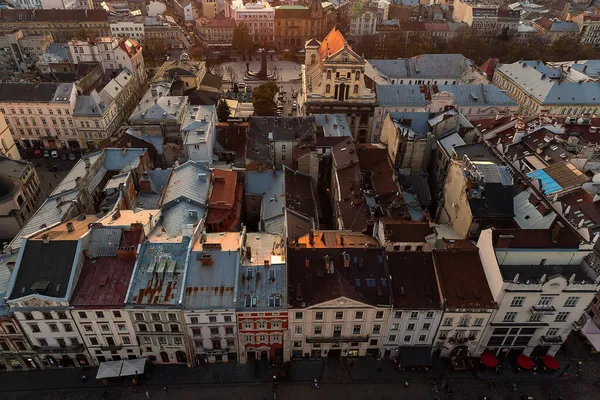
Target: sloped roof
<point x="190" y="180"/>
<point x="333" y="42"/>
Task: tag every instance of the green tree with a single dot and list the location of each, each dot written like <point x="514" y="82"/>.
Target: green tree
<point x="154" y="48"/>
<point x="366" y="46"/>
<point x="263" y="99"/>
<point x="242" y="40"/>
<point x="223" y="111"/>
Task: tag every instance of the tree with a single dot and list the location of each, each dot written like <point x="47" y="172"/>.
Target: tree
<point x="223" y="111"/>
<point x="154" y="48"/>
<point x="242" y="40"/>
<point x="230" y="72"/>
<point x="366" y="46"/>
<point x="263" y="99"/>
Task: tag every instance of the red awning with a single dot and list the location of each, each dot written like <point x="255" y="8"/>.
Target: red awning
<point x="550" y="362"/>
<point x="489" y="360"/>
<point x="524" y="362"/>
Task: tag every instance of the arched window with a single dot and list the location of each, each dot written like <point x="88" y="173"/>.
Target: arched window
<point x="328" y="75"/>
<point x="357" y="76"/>
<point x="355" y="89"/>
<point x="327" y="88"/>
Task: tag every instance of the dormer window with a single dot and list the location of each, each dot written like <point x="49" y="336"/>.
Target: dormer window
<point x="344" y="57"/>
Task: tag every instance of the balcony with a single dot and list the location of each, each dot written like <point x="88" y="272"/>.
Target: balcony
<point x="543" y="310"/>
<point x="78" y="348"/>
<point x="580" y="323"/>
<point x="111" y="348"/>
<point x="337" y="339"/>
<point x="551" y="340"/>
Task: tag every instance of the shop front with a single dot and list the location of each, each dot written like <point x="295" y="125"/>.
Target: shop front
<point x="18" y="362"/>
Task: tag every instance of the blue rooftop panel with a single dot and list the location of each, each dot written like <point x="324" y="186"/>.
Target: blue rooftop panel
<point x="549" y="185"/>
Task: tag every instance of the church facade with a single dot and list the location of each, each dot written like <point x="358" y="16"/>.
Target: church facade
<point x="333" y="82"/>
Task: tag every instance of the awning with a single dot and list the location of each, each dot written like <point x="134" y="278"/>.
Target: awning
<point x="489" y="360"/>
<point x="592" y="333"/>
<point x="550" y="362"/>
<point x="109" y="369"/>
<point x="524" y="362"/>
<point x="414" y="356"/>
<point x="134" y="366"/>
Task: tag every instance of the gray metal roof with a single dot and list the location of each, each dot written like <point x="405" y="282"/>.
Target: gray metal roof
<point x="158" y="275"/>
<point x="527" y="215"/>
<point x="425" y="66"/>
<point x="477" y="95"/>
<point x="91" y="105"/>
<point x="417" y="121"/>
<point x="27" y="92"/>
<point x="263" y="248"/>
<point x="258" y="182"/>
<point x="190" y="180"/>
<point x="400" y="95"/>
<point x="178" y="215"/>
<point x="450" y="142"/>
<point x="549" y="91"/>
<point x="273" y="201"/>
<point x="213" y="286"/>
<point x="333" y="124"/>
<point x="104" y="242"/>
<point x="165" y="108"/>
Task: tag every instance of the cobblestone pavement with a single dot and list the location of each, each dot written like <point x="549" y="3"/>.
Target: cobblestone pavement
<point x="417" y="390"/>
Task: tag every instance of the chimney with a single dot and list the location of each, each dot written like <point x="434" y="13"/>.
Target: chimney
<point x="45" y="238"/>
<point x="70" y="227"/>
<point x="584" y="68"/>
<point x="87" y="162"/>
<point x="311" y="237"/>
<point x="202" y="176"/>
<point x="116" y="215"/>
<point x="169" y="102"/>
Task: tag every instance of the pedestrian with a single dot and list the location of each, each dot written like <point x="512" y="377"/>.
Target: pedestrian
<point x="166" y="389"/>
<point x="83" y="378"/>
<point x="147" y="394"/>
<point x="406" y="384"/>
<point x="316" y="383"/>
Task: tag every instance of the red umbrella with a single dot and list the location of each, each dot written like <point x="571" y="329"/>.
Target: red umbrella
<point x="550" y="362"/>
<point x="524" y="362"/>
<point x="489" y="360"/>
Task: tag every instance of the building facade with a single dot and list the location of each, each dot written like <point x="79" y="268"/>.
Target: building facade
<point x="262" y="314"/>
<point x="260" y="19"/>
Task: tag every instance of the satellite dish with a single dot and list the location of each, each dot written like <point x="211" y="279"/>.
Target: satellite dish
<point x="184" y="57"/>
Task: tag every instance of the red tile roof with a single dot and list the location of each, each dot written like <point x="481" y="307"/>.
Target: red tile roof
<point x="333" y="42"/>
<point x="374" y="159"/>
<point x="223" y="191"/>
<point x="555" y="237"/>
<point x="414" y="283"/>
<point x="406" y="231"/>
<point x="489" y="67"/>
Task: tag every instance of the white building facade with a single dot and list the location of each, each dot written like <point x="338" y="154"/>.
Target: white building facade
<point x="259" y="17"/>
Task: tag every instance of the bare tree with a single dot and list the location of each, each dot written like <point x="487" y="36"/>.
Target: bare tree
<point x="230" y="71"/>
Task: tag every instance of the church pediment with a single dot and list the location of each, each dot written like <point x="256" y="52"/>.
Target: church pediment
<point x="34" y="302"/>
<point x="345" y="55"/>
<point x="342" y="302"/>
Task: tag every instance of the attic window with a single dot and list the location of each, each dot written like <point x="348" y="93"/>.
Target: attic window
<point x="247" y="301"/>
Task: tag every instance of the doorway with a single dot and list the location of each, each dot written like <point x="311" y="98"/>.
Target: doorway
<point x="264" y="356"/>
<point x="180" y="356"/>
<point x="334" y="354"/>
<point x="164" y="357"/>
<point x="251" y="356"/>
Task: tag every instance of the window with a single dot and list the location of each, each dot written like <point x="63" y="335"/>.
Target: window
<point x="125" y="339"/>
<point x="117" y="314"/>
<point x="463" y="322"/>
<point x="356" y="330"/>
<point x="319" y="316"/>
<point x="510" y="316"/>
<point x="535" y="318"/>
<point x="410" y="327"/>
<point x="61" y="315"/>
<point x="327" y="88"/>
<point x="339" y="315"/>
<point x="426" y="326"/>
<point x="407" y="338"/>
<point x="376" y="329"/>
<point x="53" y="327"/>
<point x="248" y="325"/>
<point x="379" y="315"/>
<point x="43" y="342"/>
<point x="158" y="328"/>
<point x="227" y="318"/>
<point x="212" y="319"/>
<point x="414" y="315"/>
<point x="298" y="330"/>
<point x="47" y="315"/>
<point x="355" y="89"/>
<point x="88" y="328"/>
<point x="448" y="321"/>
<point x="571" y="301"/>
<point x="34" y="328"/>
<point x="93" y="341"/>
<point x="392" y="338"/>
<point x="229" y="330"/>
<point x="544" y="301"/>
<point x="162" y="340"/>
<point x="121" y="327"/>
<point x="422" y="338"/>
<point x="562" y="316"/>
<point x="196" y="332"/>
<point x="299" y="315"/>
<point x="318" y="329"/>
<point x="444" y="335"/>
<point x="155" y="316"/>
<point x="552" y="332"/>
<point x="262" y="325"/>
<point x="517" y="301"/>
<point x="398" y="314"/>
<point x="99" y="314"/>
<point x="276" y="324"/>
<point x="297" y="344"/>
<point x="142" y="328"/>
<point x="478" y="322"/>
<point x="429" y="314"/>
<point x="174" y="328"/>
<point x="214" y="331"/>
<point x="68" y="327"/>
<point x="357" y="76"/>
<point x="193" y="320"/>
<point x="139" y="316"/>
<point x="370" y="282"/>
<point x="359" y="315"/>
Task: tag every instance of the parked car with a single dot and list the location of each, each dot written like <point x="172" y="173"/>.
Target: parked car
<point x="63" y="156"/>
<point x="54" y="154"/>
<point x="294" y="95"/>
<point x="294" y="105"/>
<point x="71" y="156"/>
<point x="46" y="153"/>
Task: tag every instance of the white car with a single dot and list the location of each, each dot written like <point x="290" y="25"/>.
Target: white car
<point x="54" y="154"/>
